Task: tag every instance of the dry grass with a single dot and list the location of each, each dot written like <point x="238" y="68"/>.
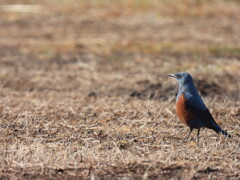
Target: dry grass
<point x="84" y="92"/>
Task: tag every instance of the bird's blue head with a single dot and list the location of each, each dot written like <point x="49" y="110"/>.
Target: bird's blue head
<point x="184" y="80"/>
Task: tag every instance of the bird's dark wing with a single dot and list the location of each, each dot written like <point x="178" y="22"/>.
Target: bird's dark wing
<point x="199" y="110"/>
<point x="197" y="107"/>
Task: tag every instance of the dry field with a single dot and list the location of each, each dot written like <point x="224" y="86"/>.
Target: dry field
<point x="84" y="92"/>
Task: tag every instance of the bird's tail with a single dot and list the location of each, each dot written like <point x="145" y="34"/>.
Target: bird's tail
<point x="218" y="129"/>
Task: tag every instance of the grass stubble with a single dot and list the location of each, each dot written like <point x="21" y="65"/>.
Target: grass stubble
<point x="84" y="92"/>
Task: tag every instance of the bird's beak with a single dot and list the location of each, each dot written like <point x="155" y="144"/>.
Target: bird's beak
<point x="172" y="75"/>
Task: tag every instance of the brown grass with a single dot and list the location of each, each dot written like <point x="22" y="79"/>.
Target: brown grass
<point x="84" y="92"/>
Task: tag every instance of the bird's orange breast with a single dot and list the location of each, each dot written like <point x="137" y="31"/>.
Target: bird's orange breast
<point x="183" y="114"/>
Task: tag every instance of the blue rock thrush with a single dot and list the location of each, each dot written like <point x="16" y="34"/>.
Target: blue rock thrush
<point x="191" y="109"/>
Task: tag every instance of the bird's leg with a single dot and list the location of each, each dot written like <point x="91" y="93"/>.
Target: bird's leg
<point x="190" y="132"/>
<point x="198" y="134"/>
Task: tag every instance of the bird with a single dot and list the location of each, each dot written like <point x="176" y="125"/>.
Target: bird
<point x="190" y="107"/>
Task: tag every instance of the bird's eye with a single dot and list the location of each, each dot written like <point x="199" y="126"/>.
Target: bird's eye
<point x="179" y="76"/>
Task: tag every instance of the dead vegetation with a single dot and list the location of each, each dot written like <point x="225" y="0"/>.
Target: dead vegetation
<point x="84" y="92"/>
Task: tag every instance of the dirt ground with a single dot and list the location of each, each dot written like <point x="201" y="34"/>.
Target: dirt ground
<point x="84" y="92"/>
